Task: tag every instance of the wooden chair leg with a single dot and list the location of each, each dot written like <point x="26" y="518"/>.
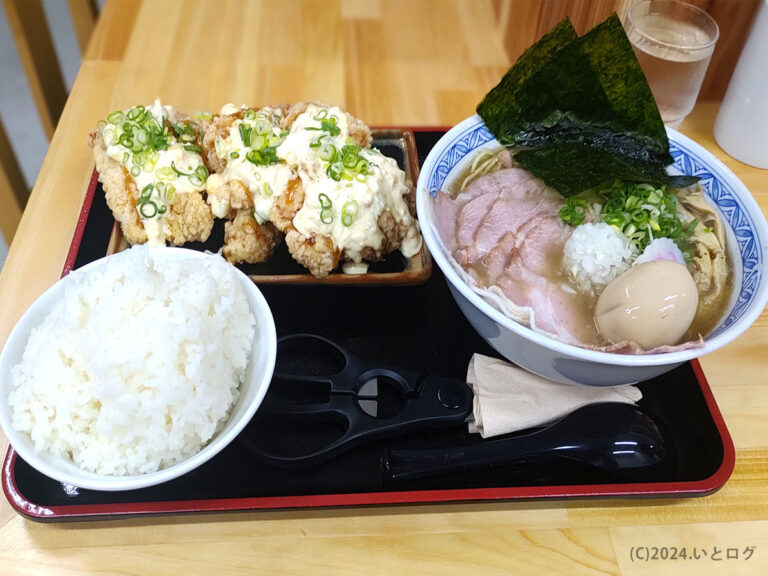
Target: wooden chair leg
<point x="13" y="190"/>
<point x="38" y="57"/>
<point x="84" y="14"/>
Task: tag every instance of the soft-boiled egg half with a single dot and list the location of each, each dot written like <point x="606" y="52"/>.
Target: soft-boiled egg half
<point x="652" y="303"/>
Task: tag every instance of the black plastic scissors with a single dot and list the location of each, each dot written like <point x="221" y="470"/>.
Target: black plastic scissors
<point x="323" y="400"/>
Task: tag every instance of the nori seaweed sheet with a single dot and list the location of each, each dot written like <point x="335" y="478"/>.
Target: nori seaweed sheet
<point x="499" y="108"/>
<point x="581" y="112"/>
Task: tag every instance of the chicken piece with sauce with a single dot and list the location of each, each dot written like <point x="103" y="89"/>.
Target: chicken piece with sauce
<point x="351" y="203"/>
<point x="239" y="145"/>
<point x="149" y="163"/>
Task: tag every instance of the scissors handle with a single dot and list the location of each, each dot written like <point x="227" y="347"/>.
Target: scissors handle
<point x="428" y="401"/>
<point x="441" y="402"/>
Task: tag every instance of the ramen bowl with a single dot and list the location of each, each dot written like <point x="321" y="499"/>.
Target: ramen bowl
<point x="747" y="244"/>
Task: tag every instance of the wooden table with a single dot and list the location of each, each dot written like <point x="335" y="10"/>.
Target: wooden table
<point x="390" y="63"/>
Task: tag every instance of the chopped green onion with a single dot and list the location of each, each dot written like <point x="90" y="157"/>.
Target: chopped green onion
<point x="163" y="209"/>
<point x="326" y="215"/>
<point x="349" y="156"/>
<point x="100" y="125"/>
<point x="325" y="201"/>
<point x="267" y="189"/>
<point x="574" y="211"/>
<point x="263" y="127"/>
<point x="135" y="171"/>
<point x="250" y="114"/>
<point x="262" y="157"/>
<point x="135" y="112"/>
<point x="641" y="212"/>
<point x="166" y="173"/>
<point x="199" y="176"/>
<point x="170" y="194"/>
<point x="245" y="134"/>
<point x="348" y="164"/>
<point x="327" y="152"/>
<point x="334" y="171"/>
<point x="117" y="118"/>
<point x="143" y="209"/>
<point x="177" y="171"/>
<point x="192" y="148"/>
<point x="196" y="177"/>
<point x="234" y="154"/>
<point x="146" y="194"/>
<point x="348" y="212"/>
<point x="259" y="142"/>
<point x="328" y="125"/>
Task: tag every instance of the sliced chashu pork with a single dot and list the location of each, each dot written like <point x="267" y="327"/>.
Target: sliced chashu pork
<point x="506" y="226"/>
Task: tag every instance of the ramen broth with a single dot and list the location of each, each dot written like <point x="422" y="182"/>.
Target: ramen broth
<point x="707" y="315"/>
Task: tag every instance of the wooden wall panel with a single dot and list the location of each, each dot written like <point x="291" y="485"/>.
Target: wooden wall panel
<point x="522" y="22"/>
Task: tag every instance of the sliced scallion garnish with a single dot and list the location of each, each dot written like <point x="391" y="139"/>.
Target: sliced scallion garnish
<point x="326" y="215"/>
<point x="348" y="212"/>
<point x="263" y="127"/>
<point x="642" y="212"/>
<point x="325" y="201"/>
<point x="148" y="209"/>
<point x="116" y="118"/>
<point x="146" y="194"/>
<point x="574" y="211"/>
<point x="245" y="134"/>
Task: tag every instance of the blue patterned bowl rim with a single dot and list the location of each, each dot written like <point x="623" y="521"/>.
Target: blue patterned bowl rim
<point x="724" y="189"/>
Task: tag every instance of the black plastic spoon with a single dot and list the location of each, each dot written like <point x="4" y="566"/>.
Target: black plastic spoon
<point x="611" y="436"/>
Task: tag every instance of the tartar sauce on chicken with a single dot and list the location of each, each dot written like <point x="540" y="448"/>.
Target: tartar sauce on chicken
<point x="249" y="152"/>
<point x="347" y="187"/>
<point x="160" y="153"/>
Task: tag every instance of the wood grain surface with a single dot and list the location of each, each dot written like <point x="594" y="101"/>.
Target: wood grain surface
<point x="399" y="62"/>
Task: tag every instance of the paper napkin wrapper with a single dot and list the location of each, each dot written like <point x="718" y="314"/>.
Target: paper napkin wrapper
<point x="508" y="398"/>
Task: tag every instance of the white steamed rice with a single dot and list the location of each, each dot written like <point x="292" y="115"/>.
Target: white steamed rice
<point x="138" y="366"/>
<point x="594" y="255"/>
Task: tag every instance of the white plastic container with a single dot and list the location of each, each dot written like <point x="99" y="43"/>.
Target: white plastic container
<point x="741" y="127"/>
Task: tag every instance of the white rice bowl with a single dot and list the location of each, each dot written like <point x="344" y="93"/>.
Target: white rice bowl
<point x="140" y="367"/>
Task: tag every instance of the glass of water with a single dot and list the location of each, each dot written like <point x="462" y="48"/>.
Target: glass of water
<point x="673" y="42"/>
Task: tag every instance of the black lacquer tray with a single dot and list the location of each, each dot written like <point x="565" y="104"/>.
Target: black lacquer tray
<point x="413" y="326"/>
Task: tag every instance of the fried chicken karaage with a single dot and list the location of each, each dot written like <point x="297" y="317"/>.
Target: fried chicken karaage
<point x="305" y="172"/>
<point x="239" y="145"/>
<point x="149" y="163"/>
